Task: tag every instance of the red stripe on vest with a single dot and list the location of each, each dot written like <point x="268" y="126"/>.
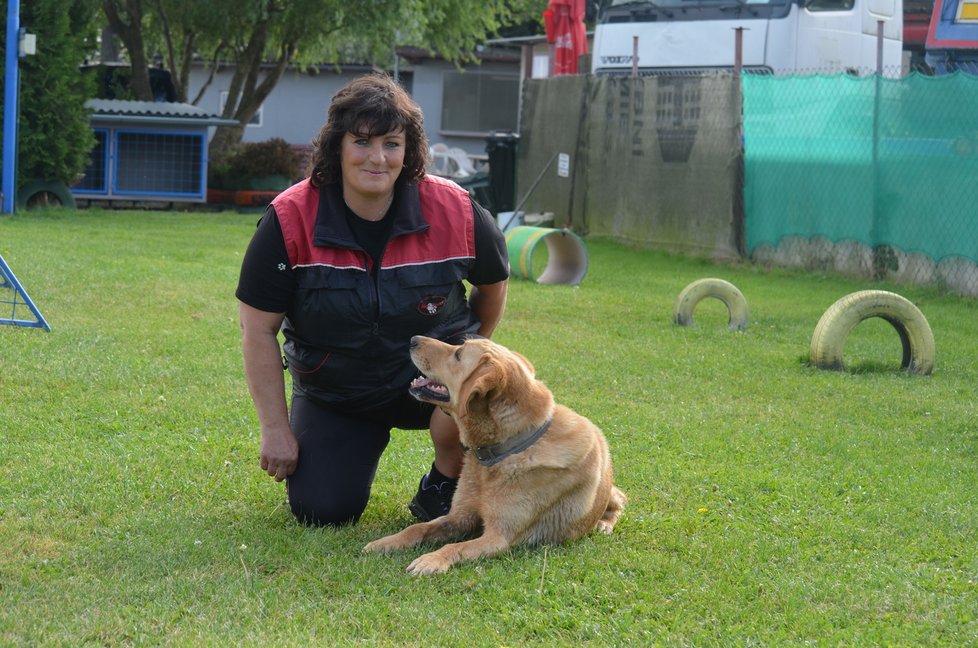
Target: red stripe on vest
<point x="446" y="208"/>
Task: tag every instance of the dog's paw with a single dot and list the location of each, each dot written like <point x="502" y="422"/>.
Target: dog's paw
<point x="430" y="563"/>
<point x="604" y="527"/>
<point x="383" y="545"/>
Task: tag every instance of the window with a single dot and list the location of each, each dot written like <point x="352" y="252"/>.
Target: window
<point x="829" y="5"/>
<point x="479" y="102"/>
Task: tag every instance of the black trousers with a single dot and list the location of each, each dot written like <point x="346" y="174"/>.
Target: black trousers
<point x="338" y="455"/>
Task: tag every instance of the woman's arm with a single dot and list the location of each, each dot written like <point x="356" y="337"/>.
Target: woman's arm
<point x="279" y="452"/>
<point x="488" y="302"/>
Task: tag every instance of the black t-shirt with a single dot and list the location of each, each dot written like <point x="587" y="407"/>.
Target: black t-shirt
<point x="268" y="283"/>
<point x="372" y="236"/>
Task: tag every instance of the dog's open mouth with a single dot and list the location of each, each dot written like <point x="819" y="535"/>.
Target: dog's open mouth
<point x="426" y="389"/>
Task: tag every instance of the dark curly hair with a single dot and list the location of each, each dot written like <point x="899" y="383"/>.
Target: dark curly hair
<point x="367" y="106"/>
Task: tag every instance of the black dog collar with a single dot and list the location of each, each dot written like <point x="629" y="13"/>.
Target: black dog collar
<point x="491" y="455"/>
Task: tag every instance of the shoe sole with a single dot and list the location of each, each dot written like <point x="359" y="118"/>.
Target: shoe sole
<point x="419" y="512"/>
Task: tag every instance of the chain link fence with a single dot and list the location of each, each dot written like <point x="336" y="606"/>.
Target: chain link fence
<point x="871" y="176"/>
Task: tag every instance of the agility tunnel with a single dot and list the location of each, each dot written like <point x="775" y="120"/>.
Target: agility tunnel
<point x="563" y="262"/>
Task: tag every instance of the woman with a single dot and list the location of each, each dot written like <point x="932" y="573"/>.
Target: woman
<point x="349" y="264"/>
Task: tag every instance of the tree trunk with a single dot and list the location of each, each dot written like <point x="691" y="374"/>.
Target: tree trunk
<point x="226" y="141"/>
<point x="246" y="94"/>
<point x="126" y="21"/>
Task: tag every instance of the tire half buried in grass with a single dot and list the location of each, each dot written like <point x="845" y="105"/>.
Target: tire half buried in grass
<point x="723" y="290"/>
<point x="841" y="318"/>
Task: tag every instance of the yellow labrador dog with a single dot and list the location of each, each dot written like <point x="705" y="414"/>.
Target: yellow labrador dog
<point x="534" y="472"/>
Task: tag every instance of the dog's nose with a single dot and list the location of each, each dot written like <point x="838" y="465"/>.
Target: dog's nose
<point x="415" y="341"/>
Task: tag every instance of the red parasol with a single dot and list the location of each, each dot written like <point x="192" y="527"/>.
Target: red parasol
<point x="564" y="21"/>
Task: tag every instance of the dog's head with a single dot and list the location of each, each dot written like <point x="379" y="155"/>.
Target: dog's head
<point x="488" y="388"/>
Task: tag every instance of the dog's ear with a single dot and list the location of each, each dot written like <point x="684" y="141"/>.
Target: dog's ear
<point x="487" y="377"/>
<point x="529" y="365"/>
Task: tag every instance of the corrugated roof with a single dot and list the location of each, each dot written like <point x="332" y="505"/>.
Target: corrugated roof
<point x="155" y="111"/>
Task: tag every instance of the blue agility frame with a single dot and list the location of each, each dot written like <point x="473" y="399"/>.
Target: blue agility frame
<point x="9" y="281"/>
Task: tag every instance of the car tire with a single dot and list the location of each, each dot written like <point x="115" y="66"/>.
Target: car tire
<point x="37" y="194"/>
<point x="842" y="317"/>
<point x="725" y="291"/>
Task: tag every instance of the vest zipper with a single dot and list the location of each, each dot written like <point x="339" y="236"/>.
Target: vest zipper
<point x="377" y="292"/>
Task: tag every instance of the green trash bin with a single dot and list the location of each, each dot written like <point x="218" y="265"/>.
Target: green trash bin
<point x="501" y="147"/>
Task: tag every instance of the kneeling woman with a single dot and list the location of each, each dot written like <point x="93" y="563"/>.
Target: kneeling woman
<point x="349" y="264"/>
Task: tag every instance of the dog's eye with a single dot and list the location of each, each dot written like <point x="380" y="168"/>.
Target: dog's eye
<point x="458" y="354"/>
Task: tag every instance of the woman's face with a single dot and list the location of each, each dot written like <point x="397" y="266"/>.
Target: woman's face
<point x="371" y="165"/>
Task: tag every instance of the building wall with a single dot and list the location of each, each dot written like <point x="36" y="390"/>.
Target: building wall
<point x="297" y="107"/>
<point x="294" y="111"/>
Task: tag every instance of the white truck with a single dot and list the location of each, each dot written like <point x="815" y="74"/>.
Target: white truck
<point x="778" y="36"/>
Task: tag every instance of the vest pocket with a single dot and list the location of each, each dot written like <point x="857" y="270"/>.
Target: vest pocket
<point x="304" y="361"/>
<point x="427" y="296"/>
<point x="328" y="376"/>
<point x="332" y="308"/>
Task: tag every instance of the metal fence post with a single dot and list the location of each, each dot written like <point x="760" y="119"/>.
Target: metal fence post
<point x="738" y="50"/>
<point x="634" y="57"/>
<point x="10" y="107"/>
<point x="875" y="231"/>
<point x="879" y="47"/>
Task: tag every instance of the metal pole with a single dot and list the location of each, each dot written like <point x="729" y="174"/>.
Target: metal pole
<point x="879" y="47"/>
<point x="10" y="107"/>
<point x="738" y="50"/>
<point x="634" y="57"/>
<point x="875" y="234"/>
<point x="739" y="169"/>
<point x="533" y="186"/>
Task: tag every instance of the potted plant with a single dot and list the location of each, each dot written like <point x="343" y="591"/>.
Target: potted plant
<point x="255" y="173"/>
<point x="263" y="166"/>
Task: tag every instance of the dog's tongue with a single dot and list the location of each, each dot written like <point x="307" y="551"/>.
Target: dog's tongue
<point x="422" y="382"/>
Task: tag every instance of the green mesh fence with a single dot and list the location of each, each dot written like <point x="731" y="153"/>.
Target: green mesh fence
<point x="866" y="174"/>
<point x="872" y="177"/>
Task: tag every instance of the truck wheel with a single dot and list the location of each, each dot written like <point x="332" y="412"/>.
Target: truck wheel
<point x="39" y="193"/>
<point x="710" y="287"/>
<point x="843" y="316"/>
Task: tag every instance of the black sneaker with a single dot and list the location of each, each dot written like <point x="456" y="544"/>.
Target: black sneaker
<point x="432" y="502"/>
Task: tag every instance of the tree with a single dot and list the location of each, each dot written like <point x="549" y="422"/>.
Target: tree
<point x="262" y="38"/>
<point x="125" y="17"/>
<point x="54" y="135"/>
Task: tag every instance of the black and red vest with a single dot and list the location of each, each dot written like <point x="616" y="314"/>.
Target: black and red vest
<point x="348" y="329"/>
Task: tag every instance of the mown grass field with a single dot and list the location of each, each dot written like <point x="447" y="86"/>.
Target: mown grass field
<point x="770" y="502"/>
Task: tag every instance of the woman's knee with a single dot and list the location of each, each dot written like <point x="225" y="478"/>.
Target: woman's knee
<point x="313" y="510"/>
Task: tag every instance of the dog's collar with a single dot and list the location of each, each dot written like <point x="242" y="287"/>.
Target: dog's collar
<point x="491" y="455"/>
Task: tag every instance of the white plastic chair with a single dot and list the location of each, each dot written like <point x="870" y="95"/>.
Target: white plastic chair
<point x="462" y="162"/>
<point x="441" y="161"/>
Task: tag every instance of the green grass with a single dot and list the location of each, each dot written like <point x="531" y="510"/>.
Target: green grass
<point x="770" y="502"/>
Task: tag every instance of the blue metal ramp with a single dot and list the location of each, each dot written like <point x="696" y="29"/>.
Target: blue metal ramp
<point x="15" y="301"/>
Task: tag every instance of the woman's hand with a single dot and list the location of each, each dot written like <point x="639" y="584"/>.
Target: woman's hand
<point x="279" y="452"/>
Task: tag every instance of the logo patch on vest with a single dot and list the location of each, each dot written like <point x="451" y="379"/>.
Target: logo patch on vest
<point x="431" y="305"/>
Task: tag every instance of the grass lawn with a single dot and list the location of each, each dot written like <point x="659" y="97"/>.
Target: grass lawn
<point x="770" y="502"/>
